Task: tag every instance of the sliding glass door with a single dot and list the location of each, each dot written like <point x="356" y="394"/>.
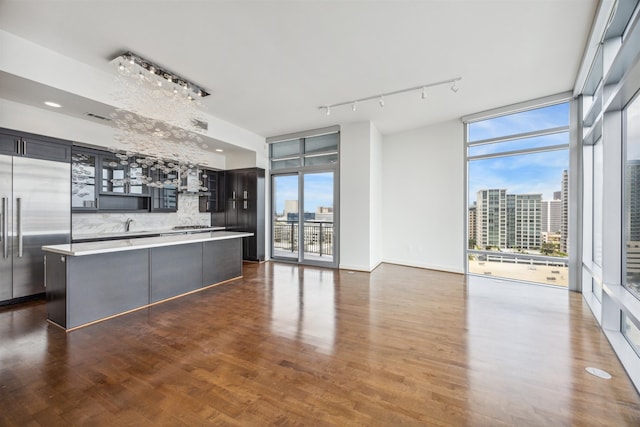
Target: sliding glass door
<point x="317" y="223"/>
<point x="285" y="217"/>
<point x="304" y="212"/>
<point x="304" y="182"/>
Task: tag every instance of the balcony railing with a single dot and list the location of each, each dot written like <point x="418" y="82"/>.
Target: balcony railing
<point x="318" y="237"/>
<point x="548" y="270"/>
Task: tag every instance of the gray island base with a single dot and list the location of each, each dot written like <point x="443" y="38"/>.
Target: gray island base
<point x="95" y="281"/>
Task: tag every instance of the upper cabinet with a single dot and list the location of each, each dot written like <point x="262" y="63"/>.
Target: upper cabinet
<point x="165" y="198"/>
<point x="102" y="181"/>
<point x="83" y="180"/>
<point x="112" y="176"/>
<point x="121" y="177"/>
<point x="212" y="200"/>
<point x="34" y="146"/>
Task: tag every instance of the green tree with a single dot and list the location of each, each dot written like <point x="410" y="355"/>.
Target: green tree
<point x="547" y="248"/>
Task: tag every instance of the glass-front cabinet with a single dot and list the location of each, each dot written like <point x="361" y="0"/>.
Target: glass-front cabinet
<point x="119" y="176"/>
<point x="83" y="181"/>
<point x="165" y="198"/>
<point x="104" y="181"/>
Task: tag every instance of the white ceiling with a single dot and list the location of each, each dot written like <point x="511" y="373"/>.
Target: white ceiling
<point x="270" y="64"/>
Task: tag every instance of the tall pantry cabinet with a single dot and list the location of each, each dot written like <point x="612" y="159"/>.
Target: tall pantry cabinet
<point x="245" y="208"/>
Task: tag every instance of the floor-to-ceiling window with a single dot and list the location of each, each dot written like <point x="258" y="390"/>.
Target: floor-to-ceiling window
<point x="609" y="96"/>
<point x="517" y="187"/>
<point x="304" y="182"/>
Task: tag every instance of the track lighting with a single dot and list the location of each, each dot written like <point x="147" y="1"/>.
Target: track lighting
<point x="380" y="97"/>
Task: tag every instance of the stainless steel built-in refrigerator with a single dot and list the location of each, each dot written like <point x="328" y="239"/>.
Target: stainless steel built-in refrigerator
<point x="35" y="211"/>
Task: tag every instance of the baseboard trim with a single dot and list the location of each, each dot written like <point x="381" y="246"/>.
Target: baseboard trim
<point x="423" y="265"/>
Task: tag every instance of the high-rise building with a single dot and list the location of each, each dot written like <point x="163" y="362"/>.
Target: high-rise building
<point x="508" y="220"/>
<point x="557" y="195"/>
<point x="527" y="221"/>
<point x="632" y="200"/>
<point x="472" y="223"/>
<point x="564" y="229"/>
<point x="491" y="218"/>
<point x="551" y="215"/>
<point x="290" y="206"/>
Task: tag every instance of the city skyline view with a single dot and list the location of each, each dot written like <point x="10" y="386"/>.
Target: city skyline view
<point x="530" y="173"/>
<point x="318" y="191"/>
<point x="516" y="164"/>
<point x="538" y="173"/>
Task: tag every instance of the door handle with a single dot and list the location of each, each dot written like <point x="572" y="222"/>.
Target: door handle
<point x="24" y="147"/>
<point x="19" y="210"/>
<point x="245" y="204"/>
<point x="246" y="195"/>
<point x="5" y="226"/>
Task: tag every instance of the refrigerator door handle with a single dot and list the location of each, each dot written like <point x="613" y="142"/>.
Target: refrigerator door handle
<point x="4" y="226"/>
<point x="19" y="210"/>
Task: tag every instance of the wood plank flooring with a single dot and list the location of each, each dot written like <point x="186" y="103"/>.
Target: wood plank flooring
<point x="288" y="345"/>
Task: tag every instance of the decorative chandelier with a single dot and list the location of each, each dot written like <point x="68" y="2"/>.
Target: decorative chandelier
<point x="159" y="118"/>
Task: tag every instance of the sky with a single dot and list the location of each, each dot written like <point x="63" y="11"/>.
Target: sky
<point x="318" y="190"/>
<point x="539" y="173"/>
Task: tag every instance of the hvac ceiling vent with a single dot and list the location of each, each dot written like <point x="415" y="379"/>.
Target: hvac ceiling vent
<point x="98" y="116"/>
<point x="200" y="124"/>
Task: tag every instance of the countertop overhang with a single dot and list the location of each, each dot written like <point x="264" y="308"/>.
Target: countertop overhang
<point x="125" y="234"/>
<point x="93" y="248"/>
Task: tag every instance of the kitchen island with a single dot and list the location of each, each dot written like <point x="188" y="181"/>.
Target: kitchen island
<point x="93" y="281"/>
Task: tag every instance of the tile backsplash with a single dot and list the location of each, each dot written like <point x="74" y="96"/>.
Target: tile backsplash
<point x="188" y="214"/>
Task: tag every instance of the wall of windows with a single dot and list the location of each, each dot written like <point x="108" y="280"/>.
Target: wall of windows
<point x="517" y="188"/>
<point x="610" y="136"/>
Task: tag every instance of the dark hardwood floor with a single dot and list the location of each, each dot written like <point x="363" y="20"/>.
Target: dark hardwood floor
<point x="288" y="345"/>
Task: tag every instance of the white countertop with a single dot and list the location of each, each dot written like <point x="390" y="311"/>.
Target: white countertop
<point x="93" y="248"/>
<point x="142" y="233"/>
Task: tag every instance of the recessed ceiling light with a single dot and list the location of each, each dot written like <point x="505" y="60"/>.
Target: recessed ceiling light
<point x="52" y="104"/>
<point x="219" y="150"/>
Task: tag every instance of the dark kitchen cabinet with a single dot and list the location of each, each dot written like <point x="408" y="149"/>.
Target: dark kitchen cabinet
<point x="244" y="208"/>
<point x="120" y="178"/>
<point x="84" y="196"/>
<point x="213" y="199"/>
<point x="101" y="183"/>
<point x="34" y="146"/>
<point x="121" y="186"/>
<point x="165" y="198"/>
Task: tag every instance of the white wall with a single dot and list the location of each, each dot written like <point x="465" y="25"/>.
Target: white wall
<point x="375" y="194"/>
<point x="423" y="197"/>
<point x="355" y="196"/>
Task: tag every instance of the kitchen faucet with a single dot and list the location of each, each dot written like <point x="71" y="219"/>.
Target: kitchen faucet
<point x="127" y="224"/>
